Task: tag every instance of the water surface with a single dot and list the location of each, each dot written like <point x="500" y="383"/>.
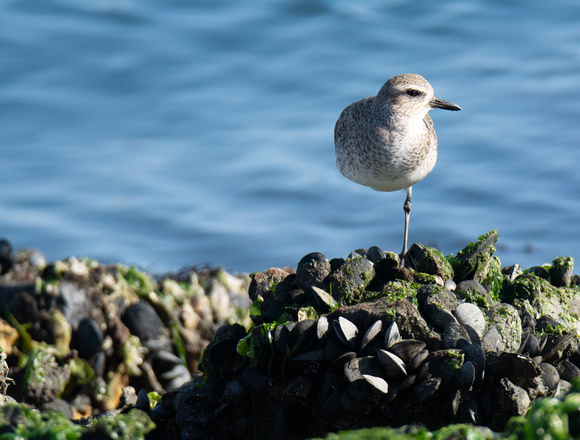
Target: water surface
<point x="166" y="134"/>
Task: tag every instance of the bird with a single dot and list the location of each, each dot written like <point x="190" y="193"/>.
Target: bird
<point x="388" y="142"/>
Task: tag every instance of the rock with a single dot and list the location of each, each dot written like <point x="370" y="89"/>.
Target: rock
<point x="312" y="270"/>
<point x="262" y="282"/>
<point x="349" y="283"/>
<point x="58" y="405"/>
<point x="453" y="334"/>
<point x="561" y="271"/>
<point x="76" y="302"/>
<point x="505" y="318"/>
<point x="474" y="292"/>
<point x="437" y="304"/>
<point x="88" y="342"/>
<point x="429" y="260"/>
<point x="375" y="254"/>
<point x="389" y="269"/>
<point x="550" y="376"/>
<point x="491" y="340"/>
<point x="6" y="256"/>
<point x="476" y="261"/>
<point x="512" y="400"/>
<point x="469" y="315"/>
<point x="540" y="272"/>
<point x="142" y="320"/>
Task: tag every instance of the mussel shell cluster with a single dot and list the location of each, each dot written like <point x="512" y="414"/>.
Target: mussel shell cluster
<point x="97" y="334"/>
<point x="356" y="342"/>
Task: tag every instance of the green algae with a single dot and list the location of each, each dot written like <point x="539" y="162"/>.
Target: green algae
<point x="17" y="421"/>
<point x="540" y="298"/>
<point x="477" y="261"/>
<point x="139" y="283"/>
<point x="399" y="289"/>
<point x="39" y="363"/>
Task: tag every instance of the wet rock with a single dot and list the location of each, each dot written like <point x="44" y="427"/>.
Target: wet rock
<point x="473" y="292"/>
<point x="521" y="370"/>
<point x="76" y="302"/>
<point x="58" y="405"/>
<point x="429" y="260"/>
<point x="44" y="377"/>
<point x="450" y="285"/>
<point x="389" y="269"/>
<point x="6" y="256"/>
<point x="374" y="254"/>
<point x="434" y="294"/>
<point x="491" y="340"/>
<point x="336" y="263"/>
<point x="561" y="271"/>
<point x="469" y="315"/>
<point x="89" y="344"/>
<point x="475" y="260"/>
<point x="312" y="269"/>
<point x="437" y="311"/>
<point x="568" y="371"/>
<point x="143" y="322"/>
<point x="550" y="376"/>
<point x="169" y="370"/>
<point x="454" y="335"/>
<point x="413" y="351"/>
<point x="288" y="292"/>
<point x="556" y="349"/>
<point x="530" y="343"/>
<point x="512" y="400"/>
<point x="540" y="272"/>
<point x="348" y="284"/>
<point x="262" y="282"/>
<point x="505" y="318"/>
<point x="405" y="313"/>
<point x="58" y="330"/>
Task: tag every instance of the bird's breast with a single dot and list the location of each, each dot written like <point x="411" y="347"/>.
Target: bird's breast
<point x="386" y="158"/>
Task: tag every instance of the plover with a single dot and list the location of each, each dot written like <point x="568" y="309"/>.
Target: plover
<point x="388" y="141"/>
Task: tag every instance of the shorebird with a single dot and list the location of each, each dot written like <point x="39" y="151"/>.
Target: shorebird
<point x="388" y="141"/>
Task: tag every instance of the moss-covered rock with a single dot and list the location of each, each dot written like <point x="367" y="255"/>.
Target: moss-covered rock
<point x="348" y="284"/>
<point x="430" y="261"/>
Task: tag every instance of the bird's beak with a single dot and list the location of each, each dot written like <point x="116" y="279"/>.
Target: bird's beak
<point x="445" y="105"/>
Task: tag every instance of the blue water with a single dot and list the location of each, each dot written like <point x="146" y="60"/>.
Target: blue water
<point x="172" y="133"/>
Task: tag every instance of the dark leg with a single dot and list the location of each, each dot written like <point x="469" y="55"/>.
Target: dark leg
<point x="407" y="209"/>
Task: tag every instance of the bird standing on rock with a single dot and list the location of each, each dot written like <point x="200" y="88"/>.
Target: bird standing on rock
<point x="388" y="141"/>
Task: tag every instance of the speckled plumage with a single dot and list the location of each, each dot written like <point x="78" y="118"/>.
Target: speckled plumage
<point x="388" y="141"/>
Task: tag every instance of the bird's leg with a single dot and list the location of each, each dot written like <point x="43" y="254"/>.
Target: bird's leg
<point x="407" y="209"/>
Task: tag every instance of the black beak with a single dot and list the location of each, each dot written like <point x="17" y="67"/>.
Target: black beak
<point x="445" y="105"/>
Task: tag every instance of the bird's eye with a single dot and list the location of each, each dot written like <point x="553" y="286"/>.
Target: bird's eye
<point x="413" y="92"/>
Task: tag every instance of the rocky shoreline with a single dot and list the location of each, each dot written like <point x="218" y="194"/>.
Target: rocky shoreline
<point x="455" y="345"/>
